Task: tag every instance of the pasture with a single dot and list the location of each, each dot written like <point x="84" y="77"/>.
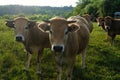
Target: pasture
<point x="102" y="60"/>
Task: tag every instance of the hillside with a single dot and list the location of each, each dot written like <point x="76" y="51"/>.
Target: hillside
<point x="28" y="10"/>
<point x="102" y="61"/>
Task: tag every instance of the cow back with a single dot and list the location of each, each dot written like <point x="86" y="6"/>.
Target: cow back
<point x="82" y="35"/>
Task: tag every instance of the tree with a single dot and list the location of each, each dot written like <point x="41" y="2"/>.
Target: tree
<point x="110" y="6"/>
<point x="97" y="7"/>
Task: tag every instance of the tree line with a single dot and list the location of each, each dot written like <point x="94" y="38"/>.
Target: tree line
<point x="28" y="10"/>
<point x="97" y="7"/>
<point x="93" y="7"/>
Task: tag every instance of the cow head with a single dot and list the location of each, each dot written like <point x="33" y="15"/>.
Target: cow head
<point x="21" y="26"/>
<point x="59" y="29"/>
<point x="108" y="22"/>
<point x="87" y="17"/>
<point x="100" y="21"/>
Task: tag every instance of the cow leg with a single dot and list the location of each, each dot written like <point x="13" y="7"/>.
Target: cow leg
<point x="83" y="58"/>
<point x="59" y="62"/>
<point x="59" y="68"/>
<point x="39" y="61"/>
<point x="70" y="65"/>
<point x="110" y="36"/>
<point x="113" y="37"/>
<point x="28" y="62"/>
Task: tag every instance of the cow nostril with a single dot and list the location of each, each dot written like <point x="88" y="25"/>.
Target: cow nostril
<point x="58" y="48"/>
<point x="18" y="38"/>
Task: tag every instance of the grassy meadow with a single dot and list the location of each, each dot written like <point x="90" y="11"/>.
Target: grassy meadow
<point x="102" y="60"/>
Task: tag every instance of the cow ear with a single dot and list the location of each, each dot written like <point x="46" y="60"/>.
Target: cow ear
<point x="31" y="23"/>
<point x="73" y="28"/>
<point x="10" y="23"/>
<point x="44" y="27"/>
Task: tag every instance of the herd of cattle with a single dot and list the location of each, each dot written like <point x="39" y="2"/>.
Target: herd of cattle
<point x="66" y="38"/>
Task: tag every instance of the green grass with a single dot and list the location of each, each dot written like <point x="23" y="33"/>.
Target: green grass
<point x="102" y="60"/>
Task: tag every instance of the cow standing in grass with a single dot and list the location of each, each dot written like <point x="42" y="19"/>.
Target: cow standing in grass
<point x="112" y="26"/>
<point x="100" y="21"/>
<point x="34" y="40"/>
<point x="68" y="38"/>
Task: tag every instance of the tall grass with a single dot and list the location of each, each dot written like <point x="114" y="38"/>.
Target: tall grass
<point x="102" y="60"/>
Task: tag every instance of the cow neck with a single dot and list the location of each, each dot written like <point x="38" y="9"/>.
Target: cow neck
<point x="28" y="38"/>
<point x="70" y="43"/>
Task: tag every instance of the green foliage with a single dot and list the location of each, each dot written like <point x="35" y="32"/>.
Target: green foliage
<point x="97" y="7"/>
<point x="102" y="60"/>
<point x="110" y="6"/>
<point x="92" y="7"/>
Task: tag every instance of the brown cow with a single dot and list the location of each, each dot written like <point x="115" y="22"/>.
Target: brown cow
<point x="113" y="27"/>
<point x="100" y="21"/>
<point x="68" y="38"/>
<point x="34" y="40"/>
<point x="89" y="18"/>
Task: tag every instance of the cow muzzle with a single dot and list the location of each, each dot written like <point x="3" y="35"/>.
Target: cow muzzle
<point x="58" y="48"/>
<point x="19" y="38"/>
<point x="107" y="27"/>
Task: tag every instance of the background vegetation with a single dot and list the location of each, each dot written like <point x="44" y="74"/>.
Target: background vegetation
<point x="97" y="7"/>
<point x="103" y="60"/>
<point x="35" y="10"/>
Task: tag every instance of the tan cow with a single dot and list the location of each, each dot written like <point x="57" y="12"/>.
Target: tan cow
<point x="89" y="20"/>
<point x="68" y="38"/>
<point x="34" y="40"/>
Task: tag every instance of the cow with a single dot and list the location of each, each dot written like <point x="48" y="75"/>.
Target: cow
<point x="113" y="27"/>
<point x="84" y="20"/>
<point x="89" y="20"/>
<point x="68" y="37"/>
<point x="100" y="21"/>
<point x="34" y="40"/>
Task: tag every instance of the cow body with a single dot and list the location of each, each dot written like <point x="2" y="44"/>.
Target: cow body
<point x="112" y="26"/>
<point x="68" y="38"/>
<point x="89" y="18"/>
<point x="34" y="40"/>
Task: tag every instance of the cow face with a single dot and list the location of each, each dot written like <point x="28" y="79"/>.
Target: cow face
<point x="59" y="30"/>
<point x="100" y="21"/>
<point x="108" y="22"/>
<point x="21" y="26"/>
